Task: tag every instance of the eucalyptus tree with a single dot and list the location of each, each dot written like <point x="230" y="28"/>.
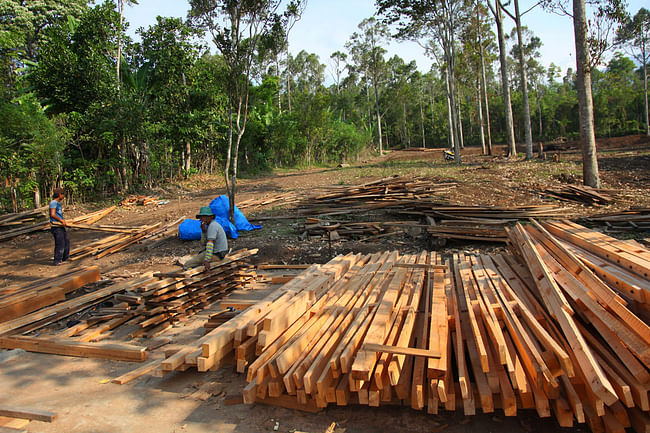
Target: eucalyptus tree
<point x="593" y="37"/>
<point x="476" y="39"/>
<point x="439" y="21"/>
<point x="497" y="11"/>
<point x="237" y="27"/>
<point x="523" y="74"/>
<point x="635" y="36"/>
<point x="367" y="53"/>
<point x="530" y="45"/>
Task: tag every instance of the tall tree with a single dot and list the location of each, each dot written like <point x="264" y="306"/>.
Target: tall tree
<point x="497" y="11"/>
<point x="120" y="9"/>
<point x="440" y="21"/>
<point x="592" y="40"/>
<point x="635" y="35"/>
<point x="236" y="27"/>
<point x="523" y="77"/>
<point x="368" y="53"/>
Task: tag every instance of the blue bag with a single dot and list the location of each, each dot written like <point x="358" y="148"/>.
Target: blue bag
<point x="221" y="207"/>
<point x="190" y="230"/>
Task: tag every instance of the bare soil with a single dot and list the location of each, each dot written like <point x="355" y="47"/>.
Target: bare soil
<point x="73" y="387"/>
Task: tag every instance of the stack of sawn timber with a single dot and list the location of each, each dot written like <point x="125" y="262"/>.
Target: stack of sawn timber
<point x="139" y="200"/>
<point x="580" y="194"/>
<point x="20" y="219"/>
<point x="543" y="333"/>
<point x="149" y="303"/>
<point x="16" y="301"/>
<point x="151" y="307"/>
<point x="253" y="204"/>
<point x="117" y="242"/>
<point x="380" y="194"/>
<point x="87" y="219"/>
<point x="636" y="218"/>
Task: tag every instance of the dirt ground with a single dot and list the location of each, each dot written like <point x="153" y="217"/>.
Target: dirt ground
<point x="73" y="386"/>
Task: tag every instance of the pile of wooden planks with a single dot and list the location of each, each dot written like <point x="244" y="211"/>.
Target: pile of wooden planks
<point x="580" y="278"/>
<point x="581" y="194"/>
<point x="148" y="305"/>
<point x="20" y="219"/>
<point x="149" y="308"/>
<point x="117" y="242"/>
<point x="482" y="232"/>
<point x="88" y="219"/>
<point x="478" y="213"/>
<point x="13" y="418"/>
<point x="560" y="327"/>
<point x="636" y="218"/>
<point x="138" y="200"/>
<point x="340" y="229"/>
<point x="16" y="301"/>
<point x="284" y="199"/>
<point x="383" y="193"/>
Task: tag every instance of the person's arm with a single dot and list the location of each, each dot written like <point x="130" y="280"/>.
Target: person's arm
<point x="209" y="251"/>
<point x="56" y="217"/>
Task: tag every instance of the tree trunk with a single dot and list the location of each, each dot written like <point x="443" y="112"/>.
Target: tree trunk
<point x="450" y="120"/>
<point x="119" y="43"/>
<point x="461" y="139"/>
<point x="37" y="192"/>
<point x="125" y="179"/>
<point x="644" y="56"/>
<point x="424" y="141"/>
<point x="539" y="112"/>
<point x="188" y="158"/>
<point x="381" y="146"/>
<point x="289" y="78"/>
<point x="585" y="101"/>
<point x="479" y="97"/>
<point x="277" y="70"/>
<point x="510" y="129"/>
<point x="485" y="93"/>
<point x="14" y="197"/>
<point x="523" y="76"/>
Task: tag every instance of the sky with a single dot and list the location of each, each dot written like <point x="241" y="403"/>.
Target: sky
<point x="326" y="26"/>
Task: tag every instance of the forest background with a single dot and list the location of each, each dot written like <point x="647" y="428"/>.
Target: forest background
<point x="86" y="107"/>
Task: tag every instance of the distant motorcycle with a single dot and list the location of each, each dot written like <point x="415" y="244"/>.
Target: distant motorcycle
<point x="449" y="155"/>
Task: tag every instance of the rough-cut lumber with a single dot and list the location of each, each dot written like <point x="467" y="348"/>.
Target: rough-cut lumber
<point x="27" y="413"/>
<point x="114" y="351"/>
<point x="20" y="301"/>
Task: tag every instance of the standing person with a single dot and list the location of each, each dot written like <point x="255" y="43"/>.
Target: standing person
<point x="61" y="240"/>
<point x="214" y="237"/>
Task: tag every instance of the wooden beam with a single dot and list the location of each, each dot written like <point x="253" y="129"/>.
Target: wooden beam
<point x="114" y="351"/>
<point x="26" y="413"/>
<point x="382" y="348"/>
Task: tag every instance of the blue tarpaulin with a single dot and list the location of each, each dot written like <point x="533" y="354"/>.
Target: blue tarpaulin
<point x="190" y="229"/>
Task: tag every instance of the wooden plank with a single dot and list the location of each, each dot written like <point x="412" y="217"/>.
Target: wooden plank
<point x="64" y="309"/>
<point x="439" y="325"/>
<point x="140" y="371"/>
<point x="594" y="242"/>
<point x="27" y="413"/>
<point x="114" y="351"/>
<point x="382" y="348"/>
<point x="596" y="379"/>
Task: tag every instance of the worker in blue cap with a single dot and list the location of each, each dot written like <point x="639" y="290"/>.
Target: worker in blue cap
<point x="214" y="237"/>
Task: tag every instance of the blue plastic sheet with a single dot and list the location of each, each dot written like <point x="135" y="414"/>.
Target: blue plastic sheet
<point x="221" y="206"/>
<point x="190" y="229"/>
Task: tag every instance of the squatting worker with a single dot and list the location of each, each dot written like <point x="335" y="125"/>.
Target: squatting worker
<point x="214" y="237"/>
<point x="60" y="234"/>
